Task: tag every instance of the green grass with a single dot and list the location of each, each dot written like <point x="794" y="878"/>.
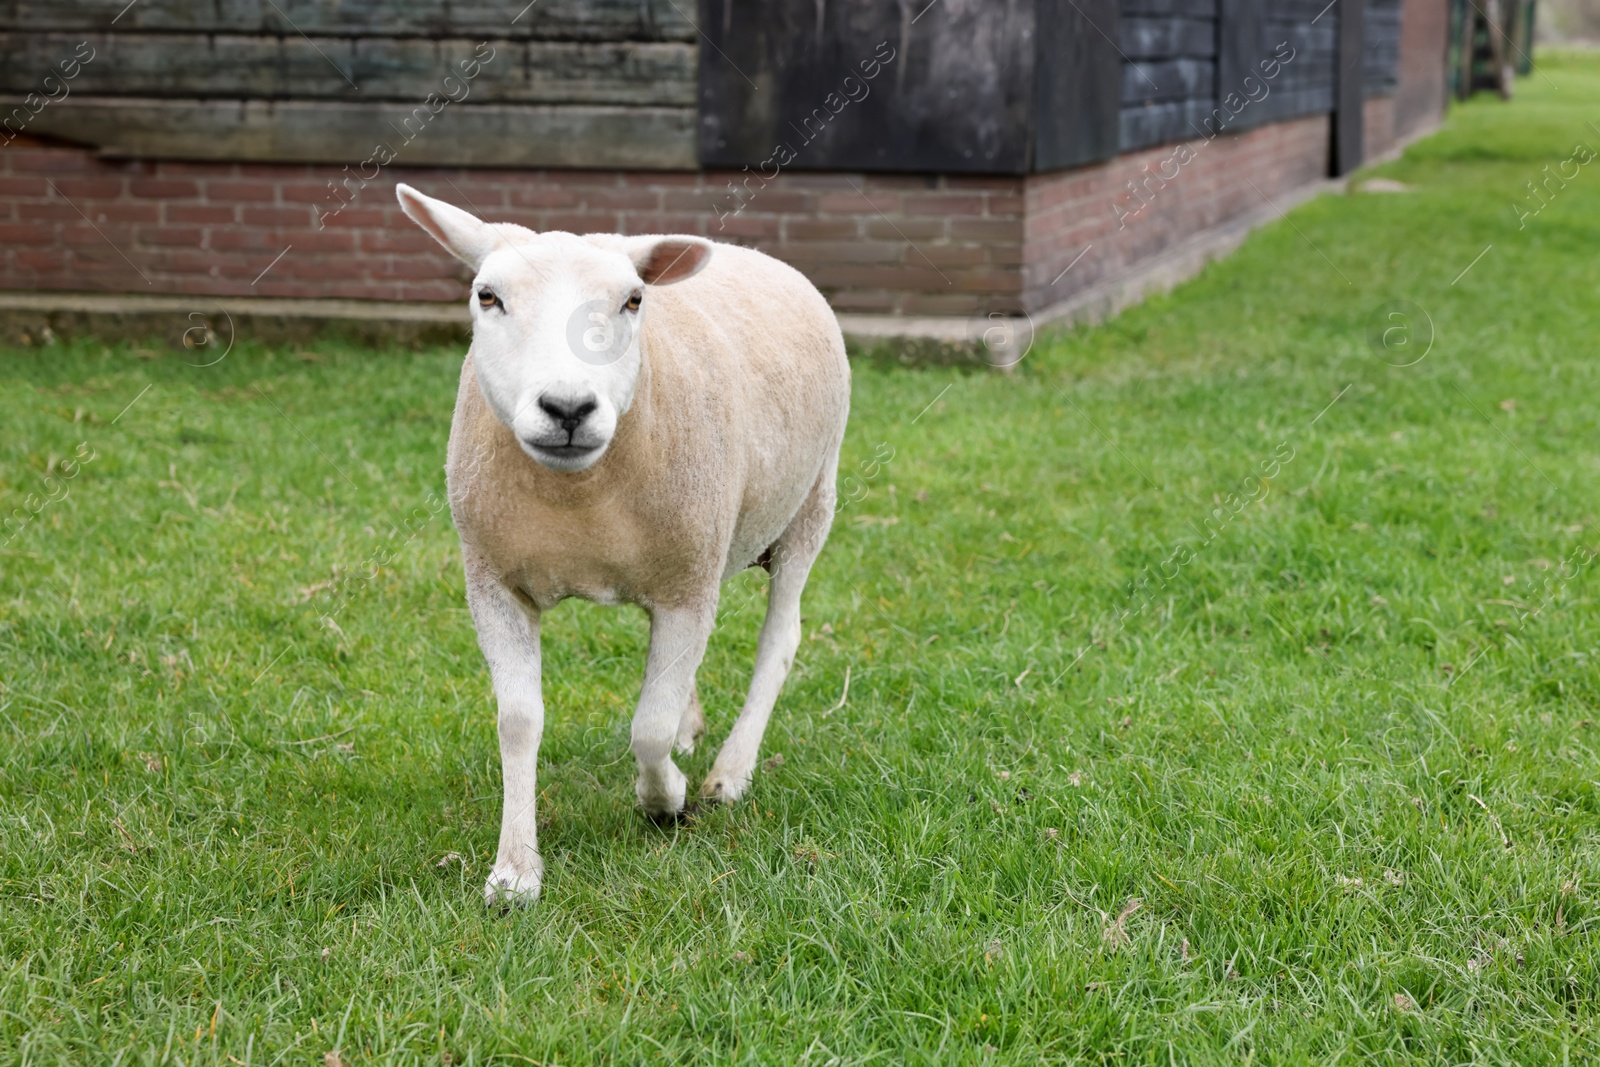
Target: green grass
<point x="1343" y="757"/>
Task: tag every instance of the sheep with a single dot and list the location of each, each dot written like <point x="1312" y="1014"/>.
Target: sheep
<point x="639" y="419"/>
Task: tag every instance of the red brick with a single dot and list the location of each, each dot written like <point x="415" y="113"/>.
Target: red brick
<point x="745" y="226"/>
<point x="240" y="239"/>
<point x="191" y="236"/>
<point x="35" y="233"/>
<point x="588" y="222"/>
<point x="232" y="191"/>
<point x="115" y="213"/>
<point x="985" y="230"/>
<point x="940" y="304"/>
<point x="949" y="255"/>
<point x="23" y="186"/>
<point x="906" y="229"/>
<point x="694" y="224"/>
<point x="201" y="213"/>
<point x="357" y="217"/>
<point x="821" y="229"/>
<point x="940" y="205"/>
<point x="287" y="218"/>
<point x="314" y="193"/>
<point x="321" y="241"/>
<point x="90" y="188"/>
<point x="411" y="268"/>
<point x="402" y="242"/>
<point x="844" y="252"/>
<point x="164" y="189"/>
<point x="40" y="258"/>
<point x="53" y="210"/>
<point x="621" y="200"/>
<point x="537" y="197"/>
<point x="877" y="301"/>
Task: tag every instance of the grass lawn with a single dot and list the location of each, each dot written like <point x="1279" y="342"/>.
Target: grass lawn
<point x="1128" y="772"/>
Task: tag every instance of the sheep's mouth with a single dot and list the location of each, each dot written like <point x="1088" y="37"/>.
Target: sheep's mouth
<point x="571" y="448"/>
<point x="562" y="455"/>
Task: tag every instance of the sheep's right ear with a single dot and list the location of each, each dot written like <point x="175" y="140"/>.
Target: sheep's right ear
<point x="468" y="237"/>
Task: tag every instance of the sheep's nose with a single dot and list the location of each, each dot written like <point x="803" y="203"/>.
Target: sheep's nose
<point x="569" y="413"/>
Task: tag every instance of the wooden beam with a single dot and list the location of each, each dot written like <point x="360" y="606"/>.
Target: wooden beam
<point x="578" y="20"/>
<point x="649" y="73"/>
<point x="491" y="135"/>
<point x="1349" y="89"/>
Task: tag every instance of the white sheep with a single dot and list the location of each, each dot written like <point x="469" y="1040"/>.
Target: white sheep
<point x="639" y="420"/>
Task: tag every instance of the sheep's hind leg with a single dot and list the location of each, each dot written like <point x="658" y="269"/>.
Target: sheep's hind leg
<point x="692" y="726"/>
<point x="793" y="555"/>
<point x="677" y="642"/>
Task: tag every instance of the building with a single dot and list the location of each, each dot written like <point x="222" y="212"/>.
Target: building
<point x="928" y="163"/>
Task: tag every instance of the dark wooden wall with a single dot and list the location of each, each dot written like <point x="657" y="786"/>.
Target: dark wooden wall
<point x="924" y="86"/>
<point x="1184" y="58"/>
<point x="1383" y="47"/>
<point x="1169" y="79"/>
<point x="572" y="82"/>
<point x="982" y="86"/>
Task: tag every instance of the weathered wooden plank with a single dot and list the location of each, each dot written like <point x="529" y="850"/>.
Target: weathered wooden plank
<point x="1160" y="80"/>
<point x="1077" y="90"/>
<point x="1257" y="32"/>
<point x="494" y="135"/>
<point x="1160" y="38"/>
<point x="1382" y="47"/>
<point x="797" y="84"/>
<point x="652" y="73"/>
<point x="586" y="20"/>
<point x="1196" y="9"/>
<point x="1155" y="124"/>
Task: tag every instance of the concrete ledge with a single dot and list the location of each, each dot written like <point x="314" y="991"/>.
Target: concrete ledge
<point x="196" y="322"/>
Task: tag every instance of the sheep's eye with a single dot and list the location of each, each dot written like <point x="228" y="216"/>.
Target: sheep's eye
<point x="634" y="300"/>
<point x="487" y="299"/>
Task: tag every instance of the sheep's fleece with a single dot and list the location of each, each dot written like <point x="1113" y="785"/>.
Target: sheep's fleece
<point x="639" y="419"/>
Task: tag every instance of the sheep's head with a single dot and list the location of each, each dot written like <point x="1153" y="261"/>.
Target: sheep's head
<point x="556" y="320"/>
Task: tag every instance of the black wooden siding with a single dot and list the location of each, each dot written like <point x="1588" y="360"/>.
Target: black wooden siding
<point x="1169" y="78"/>
<point x="573" y="83"/>
<point x="1184" y="58"/>
<point x="631" y="83"/>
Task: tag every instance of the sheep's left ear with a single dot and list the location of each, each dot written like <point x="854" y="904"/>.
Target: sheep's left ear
<point x="664" y="260"/>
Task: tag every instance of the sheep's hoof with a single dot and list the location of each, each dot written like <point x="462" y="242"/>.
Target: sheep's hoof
<point x="723" y="788"/>
<point x="508" y="886"/>
<point x="662" y="798"/>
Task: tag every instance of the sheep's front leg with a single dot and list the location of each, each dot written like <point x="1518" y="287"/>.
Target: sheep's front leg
<point x="508" y="633"/>
<point x="677" y="642"/>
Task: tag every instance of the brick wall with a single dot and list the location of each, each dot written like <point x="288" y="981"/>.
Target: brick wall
<point x="1094" y="208"/>
<point x="71" y="221"/>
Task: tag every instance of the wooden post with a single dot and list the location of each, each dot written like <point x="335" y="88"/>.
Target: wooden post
<point x="1349" y="85"/>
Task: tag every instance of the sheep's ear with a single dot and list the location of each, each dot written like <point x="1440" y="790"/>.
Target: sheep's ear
<point x="467" y="237"/>
<point x="664" y="260"/>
